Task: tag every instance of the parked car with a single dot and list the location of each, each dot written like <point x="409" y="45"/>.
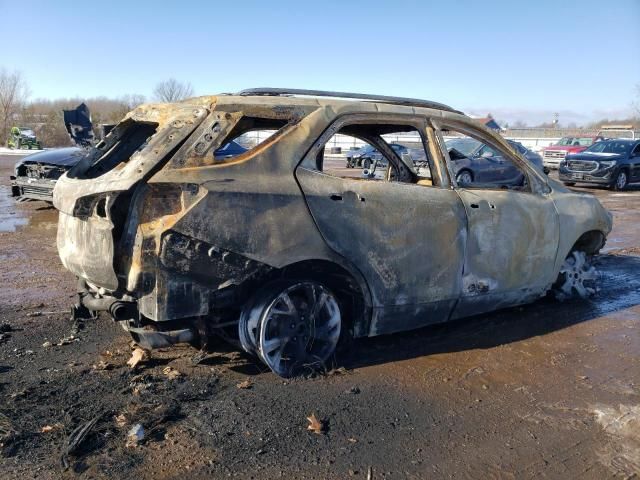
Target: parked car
<point x="554" y="154"/>
<point x="614" y="163"/>
<point x="533" y="157"/>
<point x="36" y="174"/>
<point x="476" y="162"/>
<point x="366" y="155"/>
<point x="271" y="249"/>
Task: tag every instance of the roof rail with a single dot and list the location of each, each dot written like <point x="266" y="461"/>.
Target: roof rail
<point x="411" y="102"/>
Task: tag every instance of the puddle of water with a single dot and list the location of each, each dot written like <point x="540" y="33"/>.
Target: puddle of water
<point x="10" y="218"/>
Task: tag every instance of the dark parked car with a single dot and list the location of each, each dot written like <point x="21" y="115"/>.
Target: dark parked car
<point x="367" y="155"/>
<point x="533" y="157"/>
<point x="614" y="163"/>
<point x="477" y="163"/>
<point x="36" y="175"/>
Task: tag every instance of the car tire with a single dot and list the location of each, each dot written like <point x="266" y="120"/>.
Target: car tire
<point x="569" y="184"/>
<point x="366" y="163"/>
<point x="299" y="325"/>
<point x="577" y="277"/>
<point x="621" y="181"/>
<point x="464" y="177"/>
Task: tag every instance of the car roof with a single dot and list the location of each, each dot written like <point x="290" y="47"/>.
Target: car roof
<point x="297" y="92"/>
<point x="624" y="140"/>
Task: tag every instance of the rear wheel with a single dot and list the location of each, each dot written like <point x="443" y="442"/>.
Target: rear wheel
<point x="621" y="181"/>
<point x="577" y="277"/>
<point x="295" y="326"/>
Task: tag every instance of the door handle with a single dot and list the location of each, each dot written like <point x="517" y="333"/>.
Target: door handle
<point x="475" y="205"/>
<point x="335" y="197"/>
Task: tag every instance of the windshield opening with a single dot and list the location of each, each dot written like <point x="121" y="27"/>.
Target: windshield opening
<point x="575" y="141"/>
<point x="610" y="147"/>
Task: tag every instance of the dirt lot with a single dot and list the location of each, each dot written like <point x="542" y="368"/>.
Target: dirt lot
<point x="547" y="390"/>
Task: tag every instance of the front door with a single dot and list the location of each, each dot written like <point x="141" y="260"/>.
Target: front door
<point x="512" y="231"/>
<point x="511" y="249"/>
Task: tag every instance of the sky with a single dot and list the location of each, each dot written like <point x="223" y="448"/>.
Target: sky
<point x="519" y="60"/>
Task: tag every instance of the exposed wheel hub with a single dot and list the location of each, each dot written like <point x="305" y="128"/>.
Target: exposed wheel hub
<point x="577" y="276"/>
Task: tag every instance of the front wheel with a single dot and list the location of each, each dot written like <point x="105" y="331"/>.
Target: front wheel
<point x="295" y="326"/>
<point x="621" y="181"/>
<point x="577" y="277"/>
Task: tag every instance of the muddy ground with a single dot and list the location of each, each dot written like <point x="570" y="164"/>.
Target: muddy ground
<point x="546" y="390"/>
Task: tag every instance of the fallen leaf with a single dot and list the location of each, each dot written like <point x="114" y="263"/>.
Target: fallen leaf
<point x="245" y="385"/>
<point x="47" y="344"/>
<point x="171" y="373"/>
<point x="136" y="357"/>
<point x="353" y="440"/>
<point x="50" y="428"/>
<point x="121" y="420"/>
<point x="102" y="365"/>
<point x="315" y="425"/>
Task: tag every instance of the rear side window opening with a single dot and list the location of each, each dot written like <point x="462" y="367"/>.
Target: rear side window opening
<point x="134" y="137"/>
<point x="359" y="155"/>
<point x="248" y="135"/>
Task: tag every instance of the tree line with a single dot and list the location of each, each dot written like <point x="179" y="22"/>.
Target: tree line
<point x="44" y="116"/>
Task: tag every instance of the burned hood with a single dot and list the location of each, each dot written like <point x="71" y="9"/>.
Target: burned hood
<point x="596" y="156"/>
<point x="64" y="157"/>
<point x="78" y="125"/>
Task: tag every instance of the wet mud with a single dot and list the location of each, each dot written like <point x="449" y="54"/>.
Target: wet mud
<point x="546" y="390"/>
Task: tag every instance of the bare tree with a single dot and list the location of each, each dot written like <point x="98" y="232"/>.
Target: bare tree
<point x="636" y="102"/>
<point x="13" y="94"/>
<point x="172" y="90"/>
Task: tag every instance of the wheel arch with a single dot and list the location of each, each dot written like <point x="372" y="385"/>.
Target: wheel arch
<point x="347" y="284"/>
<point x="589" y="242"/>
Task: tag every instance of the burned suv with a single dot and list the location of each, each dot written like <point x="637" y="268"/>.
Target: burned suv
<point x="283" y="249"/>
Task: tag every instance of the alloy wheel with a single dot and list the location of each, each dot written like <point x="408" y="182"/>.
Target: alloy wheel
<point x="577" y="277"/>
<point x="299" y="328"/>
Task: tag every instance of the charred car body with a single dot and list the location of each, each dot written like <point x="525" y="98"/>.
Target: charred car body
<point x="274" y="248"/>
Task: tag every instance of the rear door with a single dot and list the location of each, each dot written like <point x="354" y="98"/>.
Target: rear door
<point x="407" y="239"/>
